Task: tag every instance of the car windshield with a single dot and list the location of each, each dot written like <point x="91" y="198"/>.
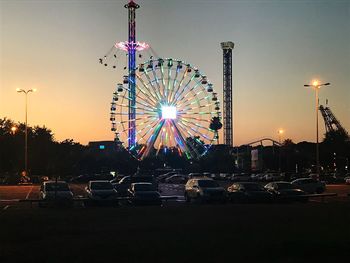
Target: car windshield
<point x="207" y="183"/>
<point x="57" y="187"/>
<point x="143" y="187"/>
<point x="283" y="186"/>
<point x="101" y="186"/>
<point x="253" y="187"/>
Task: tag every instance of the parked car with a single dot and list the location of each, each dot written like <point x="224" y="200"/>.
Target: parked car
<point x="243" y="177"/>
<point x="176" y="179"/>
<point x="194" y="175"/>
<point x="285" y="191"/>
<point x="248" y="192"/>
<point x="273" y="177"/>
<point x="204" y="189"/>
<point x="258" y="177"/>
<point x="161" y="178"/>
<point x="101" y="192"/>
<point x="347" y="180"/>
<point x="55" y="192"/>
<point x="309" y="185"/>
<point x="224" y="176"/>
<point x="124" y="184"/>
<point x="144" y="194"/>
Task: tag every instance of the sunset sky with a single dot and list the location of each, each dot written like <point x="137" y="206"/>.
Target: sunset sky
<point x="54" y="46"/>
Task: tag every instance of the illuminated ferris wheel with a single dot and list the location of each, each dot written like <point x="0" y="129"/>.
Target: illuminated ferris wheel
<point x="176" y="110"/>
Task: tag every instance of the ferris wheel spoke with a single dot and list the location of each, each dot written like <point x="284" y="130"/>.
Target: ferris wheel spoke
<point x="181" y="91"/>
<point x="190" y="101"/>
<point x="195" y="124"/>
<point x="154" y="94"/>
<point x="156" y="79"/>
<point x="184" y="75"/>
<point x="126" y="97"/>
<point x="148" y="107"/>
<point x="149" y="100"/>
<point x="156" y="91"/>
<point x="187" y="145"/>
<point x="152" y="139"/>
<point x="168" y="86"/>
<point x="163" y="80"/>
<point x="147" y="96"/>
<point x="184" y="98"/>
<point x="196" y="131"/>
<point x="171" y="92"/>
<point x="181" y="141"/>
<point x="149" y="127"/>
<point x="196" y="119"/>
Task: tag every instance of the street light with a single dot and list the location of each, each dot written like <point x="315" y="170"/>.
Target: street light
<point x="316" y="85"/>
<point x="26" y="128"/>
<point x="280" y="132"/>
<point x="13" y="129"/>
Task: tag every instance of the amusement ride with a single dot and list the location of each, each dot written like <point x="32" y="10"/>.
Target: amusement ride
<point x="163" y="104"/>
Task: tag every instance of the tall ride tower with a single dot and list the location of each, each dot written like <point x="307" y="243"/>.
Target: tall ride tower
<point x="132" y="6"/>
<point x="227" y="81"/>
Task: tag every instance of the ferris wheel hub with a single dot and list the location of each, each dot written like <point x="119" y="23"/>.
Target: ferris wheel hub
<point x="169" y="112"/>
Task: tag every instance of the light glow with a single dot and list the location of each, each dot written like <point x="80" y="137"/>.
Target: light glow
<point x="315" y="83"/>
<point x="169" y="112"/>
<point x="126" y="46"/>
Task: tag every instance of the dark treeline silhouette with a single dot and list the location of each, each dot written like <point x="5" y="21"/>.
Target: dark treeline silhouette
<point x="67" y="158"/>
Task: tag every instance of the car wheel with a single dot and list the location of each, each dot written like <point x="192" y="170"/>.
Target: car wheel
<point x="319" y="191"/>
<point x="187" y="198"/>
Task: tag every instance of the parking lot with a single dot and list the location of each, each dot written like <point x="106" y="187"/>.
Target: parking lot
<point x="175" y="232"/>
<point x="11" y="195"/>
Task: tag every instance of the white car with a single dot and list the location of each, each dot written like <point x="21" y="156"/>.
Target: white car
<point x="55" y="192"/>
<point x="347" y="180"/>
<point x="273" y="177"/>
<point x="310" y="185"/>
<point x="101" y="191"/>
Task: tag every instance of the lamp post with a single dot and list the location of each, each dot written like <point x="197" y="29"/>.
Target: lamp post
<point x="316" y="85"/>
<point x="280" y="132"/>
<point x="26" y="128"/>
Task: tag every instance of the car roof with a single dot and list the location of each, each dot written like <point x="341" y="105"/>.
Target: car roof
<point x="54" y="182"/>
<point x="247" y="183"/>
<point x="99" y="181"/>
<point x="303" y="179"/>
<point x="202" y="179"/>
<point x="143" y="183"/>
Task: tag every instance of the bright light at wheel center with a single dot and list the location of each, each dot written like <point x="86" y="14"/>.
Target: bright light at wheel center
<point x="169" y="112"/>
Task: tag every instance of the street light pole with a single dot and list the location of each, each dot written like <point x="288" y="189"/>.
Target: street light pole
<point x="26" y="128"/>
<point x="316" y="86"/>
<point x="280" y="132"/>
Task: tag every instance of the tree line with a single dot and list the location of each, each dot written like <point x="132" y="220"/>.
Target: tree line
<point x="47" y="156"/>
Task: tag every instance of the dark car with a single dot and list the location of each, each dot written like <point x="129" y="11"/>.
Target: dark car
<point x="285" y="191"/>
<point x="144" y="194"/>
<point x="124" y="184"/>
<point x="52" y="192"/>
<point x="101" y="192"/>
<point x="204" y="190"/>
<point x="247" y="192"/>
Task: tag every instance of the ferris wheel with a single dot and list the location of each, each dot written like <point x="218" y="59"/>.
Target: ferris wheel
<point x="176" y="110"/>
